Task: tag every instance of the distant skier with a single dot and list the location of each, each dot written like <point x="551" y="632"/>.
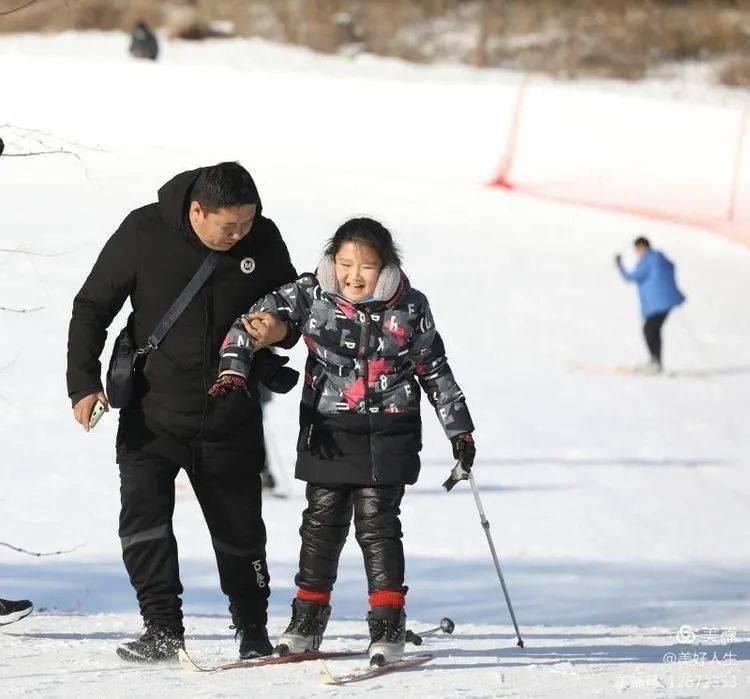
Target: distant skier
<point x="143" y="42"/>
<point x="658" y="292"/>
<point x="372" y="342"/>
<point x="14" y="611"/>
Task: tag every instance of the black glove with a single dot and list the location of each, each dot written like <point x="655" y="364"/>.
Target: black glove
<point x="464" y="452"/>
<point x="618" y="260"/>
<point x="464" y="449"/>
<point x="268" y="368"/>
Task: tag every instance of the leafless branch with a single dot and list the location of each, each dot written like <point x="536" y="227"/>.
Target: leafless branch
<point x="44" y="147"/>
<point x="23" y="131"/>
<point x="61" y="151"/>
<point x="40" y="553"/>
<point x="32" y="253"/>
<point x="20" y="310"/>
<point x="18" y="9"/>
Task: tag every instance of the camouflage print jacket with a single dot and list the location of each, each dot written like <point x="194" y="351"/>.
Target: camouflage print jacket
<point x="365" y="365"/>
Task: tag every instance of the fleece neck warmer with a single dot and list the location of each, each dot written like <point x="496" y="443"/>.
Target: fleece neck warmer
<point x="385" y="289"/>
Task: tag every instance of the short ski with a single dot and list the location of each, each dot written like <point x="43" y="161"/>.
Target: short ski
<point x="327" y="677"/>
<point x="189" y="664"/>
<point x="605" y="369"/>
<point x="623" y="370"/>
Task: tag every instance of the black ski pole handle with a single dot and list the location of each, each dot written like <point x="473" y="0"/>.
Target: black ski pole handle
<point x="459" y="473"/>
<point x="449" y="484"/>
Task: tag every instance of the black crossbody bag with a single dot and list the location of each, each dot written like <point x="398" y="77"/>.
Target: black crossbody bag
<point x="126" y="356"/>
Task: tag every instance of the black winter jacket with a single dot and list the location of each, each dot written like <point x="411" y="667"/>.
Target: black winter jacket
<point x="150" y="259"/>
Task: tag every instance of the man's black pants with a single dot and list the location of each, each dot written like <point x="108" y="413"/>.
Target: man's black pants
<point x="325" y="526"/>
<point x="652" y="332"/>
<point x="229" y="492"/>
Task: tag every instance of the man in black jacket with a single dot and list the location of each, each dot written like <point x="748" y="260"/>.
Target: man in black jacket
<point x="171" y="421"/>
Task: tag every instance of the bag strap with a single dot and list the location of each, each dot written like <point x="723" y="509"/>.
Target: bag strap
<point x="182" y="302"/>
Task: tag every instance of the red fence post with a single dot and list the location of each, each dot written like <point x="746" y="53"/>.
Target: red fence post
<point x="503" y="170"/>
<point x="737" y="164"/>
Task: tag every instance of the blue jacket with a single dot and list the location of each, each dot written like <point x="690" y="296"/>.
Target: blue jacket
<point x="657" y="287"/>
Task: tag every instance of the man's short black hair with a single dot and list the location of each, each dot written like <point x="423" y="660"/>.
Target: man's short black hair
<point x="225" y="185"/>
<point x="642" y="242"/>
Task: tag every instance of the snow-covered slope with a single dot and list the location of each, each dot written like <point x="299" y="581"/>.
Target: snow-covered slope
<point x="619" y="504"/>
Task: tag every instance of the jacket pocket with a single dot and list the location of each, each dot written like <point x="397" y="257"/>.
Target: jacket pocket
<point x="304" y="440"/>
<point x="307" y="411"/>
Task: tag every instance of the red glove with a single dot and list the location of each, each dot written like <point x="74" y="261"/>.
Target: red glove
<point x="226" y="384"/>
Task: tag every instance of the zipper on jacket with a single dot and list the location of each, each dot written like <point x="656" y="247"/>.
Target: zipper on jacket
<point x="364" y="347"/>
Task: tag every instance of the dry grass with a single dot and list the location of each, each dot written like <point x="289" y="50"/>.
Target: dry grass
<point x="59" y="15"/>
<point x="736" y="73"/>
<point x="567" y="38"/>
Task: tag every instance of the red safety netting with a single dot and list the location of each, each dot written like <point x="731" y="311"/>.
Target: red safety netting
<point x="672" y="161"/>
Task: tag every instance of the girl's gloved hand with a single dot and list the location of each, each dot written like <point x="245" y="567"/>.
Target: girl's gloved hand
<point x="464" y="449"/>
<point x="226" y="384"/>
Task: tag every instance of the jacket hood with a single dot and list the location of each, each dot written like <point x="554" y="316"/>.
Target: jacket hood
<point x="174" y="196"/>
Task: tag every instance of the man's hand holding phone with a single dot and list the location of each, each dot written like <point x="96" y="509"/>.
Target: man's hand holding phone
<point x="89" y="410"/>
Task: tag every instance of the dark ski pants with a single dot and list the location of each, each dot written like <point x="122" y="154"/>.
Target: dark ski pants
<point x="228" y="489"/>
<point x="325" y="526"/>
<point x="652" y="332"/>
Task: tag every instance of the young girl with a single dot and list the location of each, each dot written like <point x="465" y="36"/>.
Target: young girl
<point x="372" y="342"/>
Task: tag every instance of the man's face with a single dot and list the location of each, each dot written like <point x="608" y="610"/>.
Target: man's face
<point x="222" y="229"/>
<point x="641" y="250"/>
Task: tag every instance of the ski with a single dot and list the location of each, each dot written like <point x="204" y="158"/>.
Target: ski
<point x="189" y="664"/>
<point x="623" y="370"/>
<point x="446" y="626"/>
<point x="327" y="677"/>
<point x="605" y="369"/>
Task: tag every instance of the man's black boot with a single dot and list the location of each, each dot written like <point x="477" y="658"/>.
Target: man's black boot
<point x="254" y="641"/>
<point x="249" y="622"/>
<point x="157" y="644"/>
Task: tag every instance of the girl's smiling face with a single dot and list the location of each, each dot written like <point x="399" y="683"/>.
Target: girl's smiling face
<point x="358" y="267"/>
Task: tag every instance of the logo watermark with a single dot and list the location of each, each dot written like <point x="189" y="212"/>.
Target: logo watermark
<point x="703" y="669"/>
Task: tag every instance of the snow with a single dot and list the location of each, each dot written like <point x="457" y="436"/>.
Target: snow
<point x="619" y="505"/>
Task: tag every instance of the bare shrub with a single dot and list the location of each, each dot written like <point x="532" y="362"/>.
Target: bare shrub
<point x="566" y="38"/>
<point x="736" y="73"/>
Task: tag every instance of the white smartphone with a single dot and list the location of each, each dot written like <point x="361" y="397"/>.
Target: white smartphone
<point x="96" y="414"/>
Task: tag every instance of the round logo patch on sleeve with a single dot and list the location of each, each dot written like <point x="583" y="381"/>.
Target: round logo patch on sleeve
<point x="247" y="265"/>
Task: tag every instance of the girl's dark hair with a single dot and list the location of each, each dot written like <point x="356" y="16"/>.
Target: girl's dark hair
<point x="226" y="185"/>
<point x="366" y="231"/>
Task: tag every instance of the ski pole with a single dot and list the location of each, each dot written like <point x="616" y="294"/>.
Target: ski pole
<point x="486" y="527"/>
<point x="460" y="474"/>
<point x="680" y="315"/>
<point x="446" y="626"/>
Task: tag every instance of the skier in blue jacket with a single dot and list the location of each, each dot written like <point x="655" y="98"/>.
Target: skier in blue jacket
<point x="658" y="292"/>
